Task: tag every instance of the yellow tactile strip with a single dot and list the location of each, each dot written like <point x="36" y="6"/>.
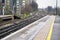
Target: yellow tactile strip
<point x="42" y="35"/>
<point x="50" y="32"/>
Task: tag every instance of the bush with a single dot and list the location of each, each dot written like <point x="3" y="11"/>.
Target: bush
<point x="27" y="9"/>
<point x="25" y="15"/>
<point x="58" y="13"/>
<point x="0" y="6"/>
<point x="8" y="11"/>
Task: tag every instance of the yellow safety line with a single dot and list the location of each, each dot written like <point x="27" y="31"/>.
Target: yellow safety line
<point x="50" y="32"/>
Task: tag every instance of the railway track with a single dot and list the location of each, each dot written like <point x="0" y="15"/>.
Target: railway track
<point x="10" y="29"/>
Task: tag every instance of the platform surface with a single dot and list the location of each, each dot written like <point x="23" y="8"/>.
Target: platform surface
<point x="56" y="29"/>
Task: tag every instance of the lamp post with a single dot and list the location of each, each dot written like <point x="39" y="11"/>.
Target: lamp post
<point x="56" y="6"/>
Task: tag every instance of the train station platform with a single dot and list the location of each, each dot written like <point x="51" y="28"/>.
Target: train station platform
<point x="53" y="33"/>
<point x="46" y="28"/>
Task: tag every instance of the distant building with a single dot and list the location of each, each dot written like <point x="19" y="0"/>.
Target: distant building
<point x="15" y="6"/>
<point x="26" y="2"/>
<point x="50" y="10"/>
<point x="18" y="7"/>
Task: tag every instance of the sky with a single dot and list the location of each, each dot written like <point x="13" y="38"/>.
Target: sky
<point x="46" y="3"/>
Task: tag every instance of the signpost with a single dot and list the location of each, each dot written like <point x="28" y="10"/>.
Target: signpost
<point x="56" y="6"/>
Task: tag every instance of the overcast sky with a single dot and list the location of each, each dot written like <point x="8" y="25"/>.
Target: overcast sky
<point x="46" y="3"/>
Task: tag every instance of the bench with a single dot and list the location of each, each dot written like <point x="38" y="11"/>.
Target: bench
<point x="6" y="17"/>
